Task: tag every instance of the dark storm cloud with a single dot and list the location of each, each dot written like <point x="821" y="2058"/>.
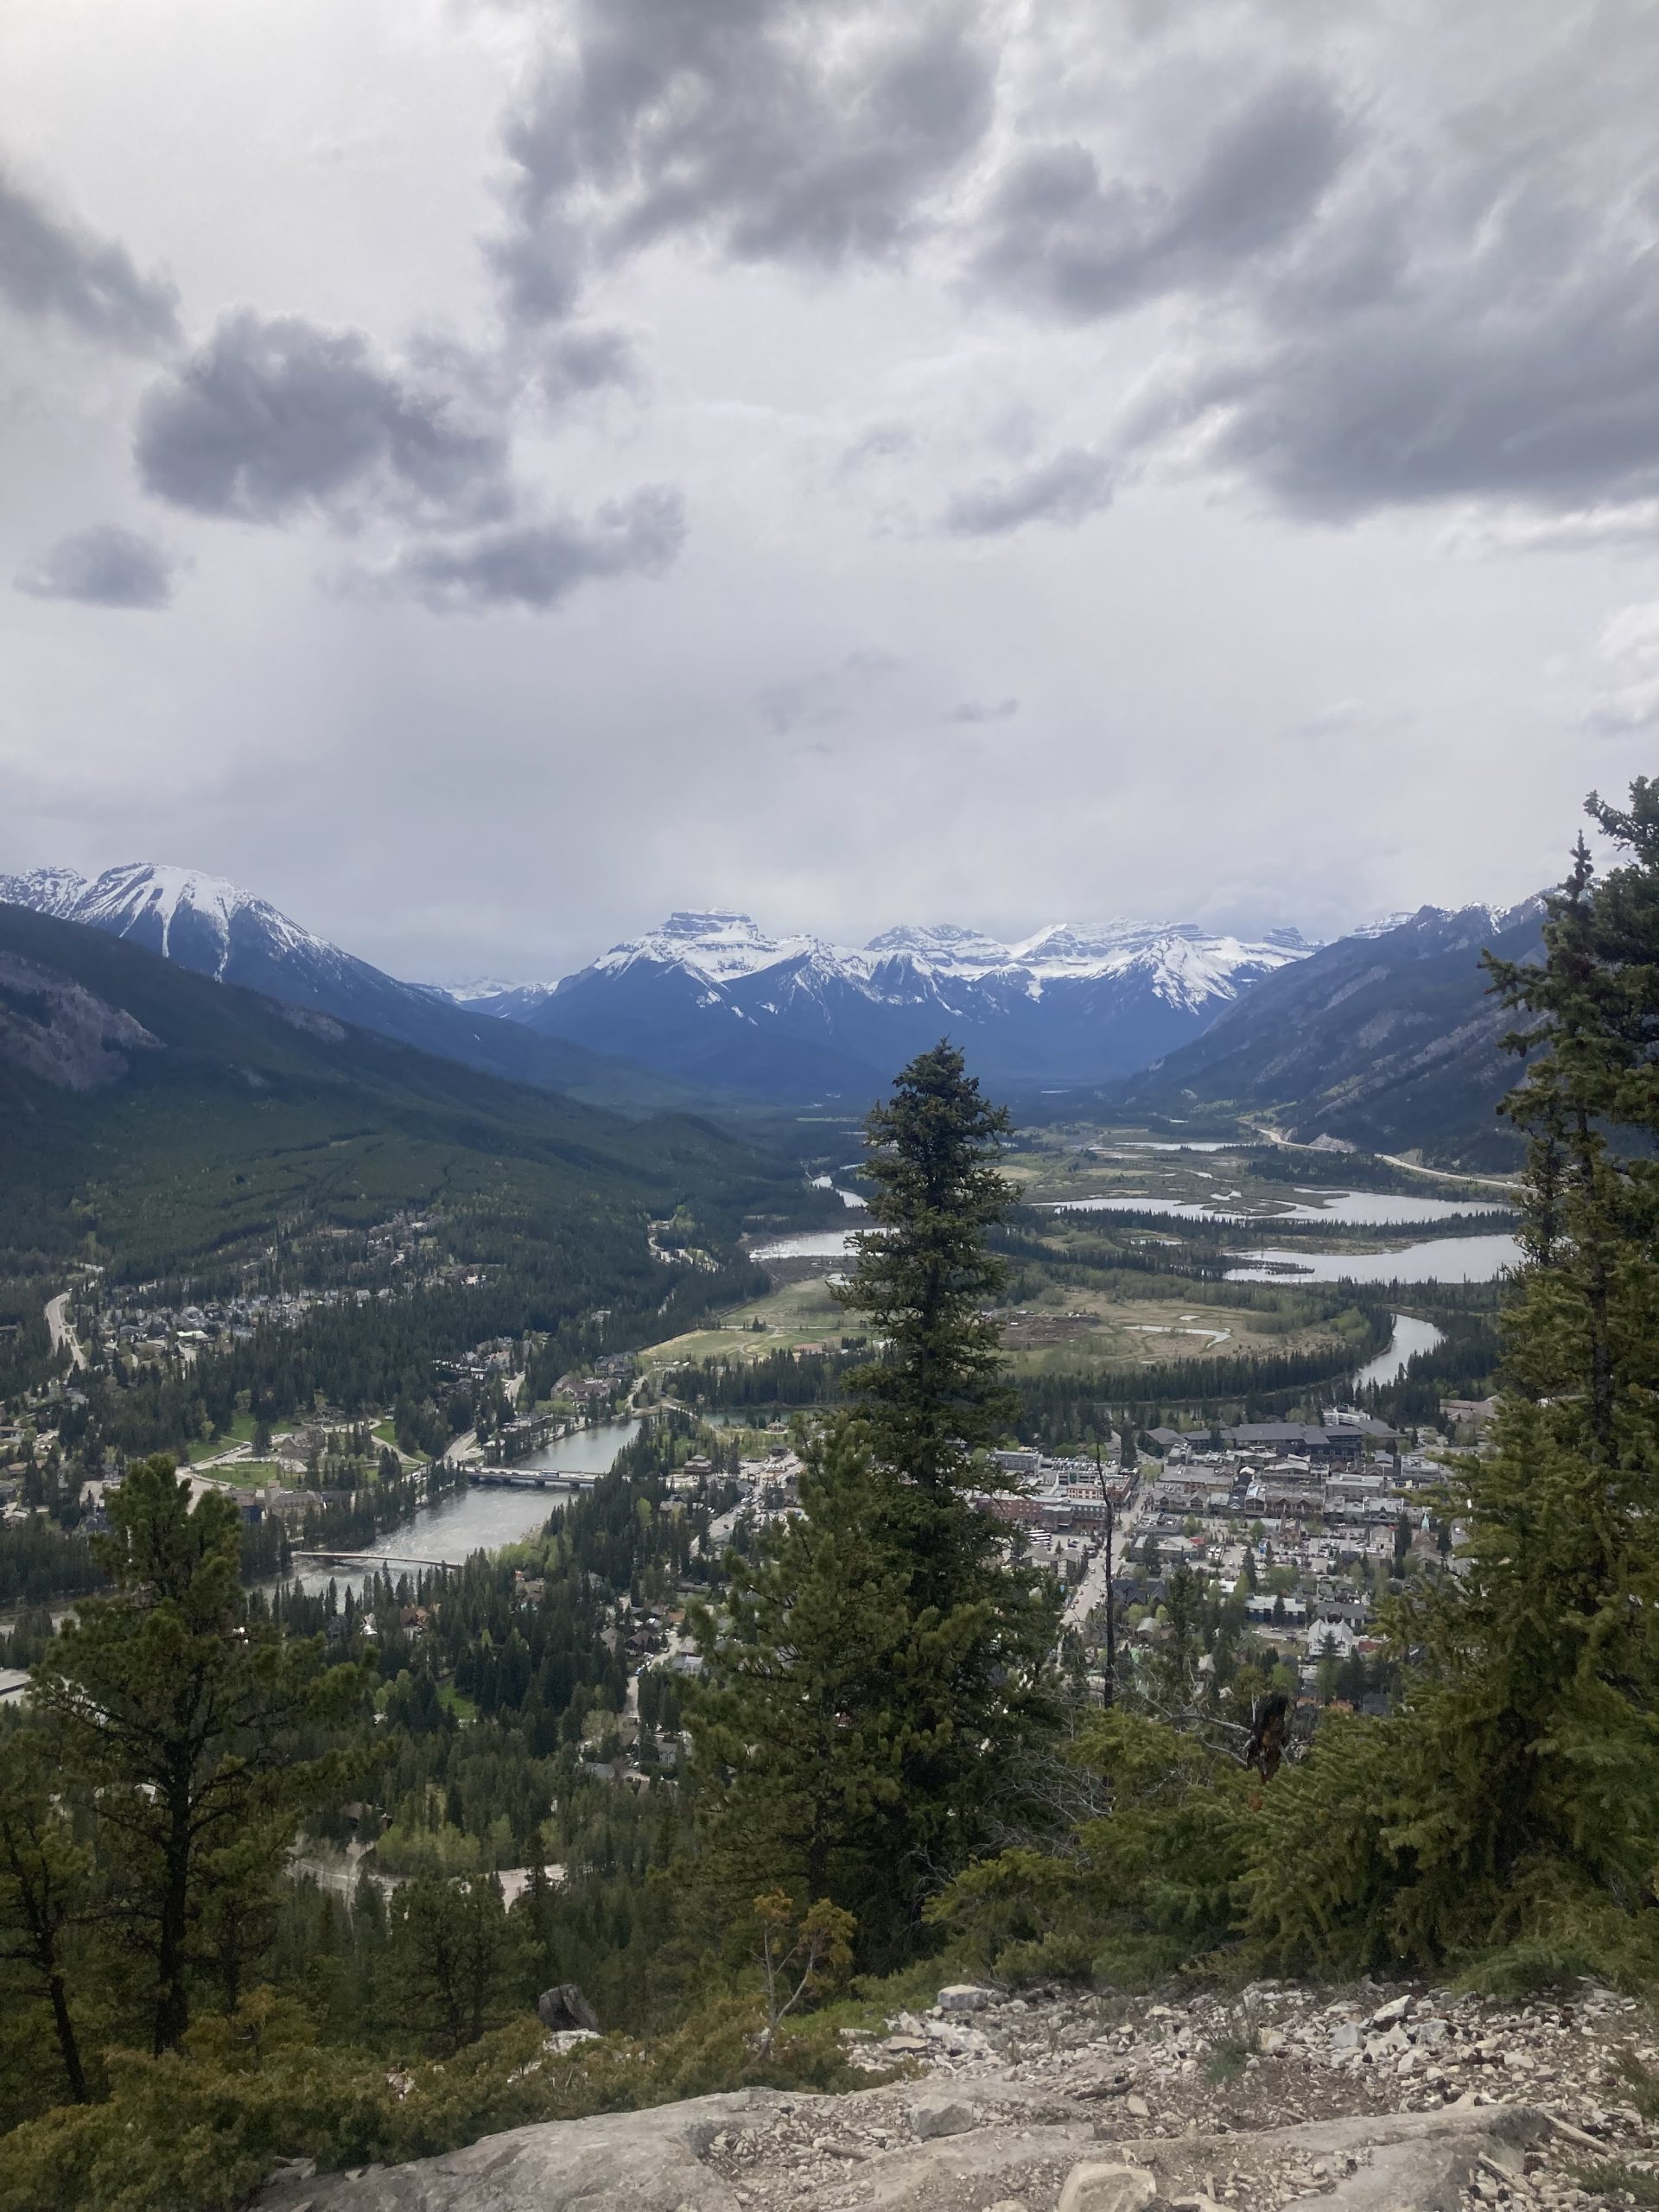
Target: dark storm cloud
<point x="535" y="565"/>
<point x="778" y="130"/>
<point x="270" y="417"/>
<point x="1058" y="234"/>
<point x="104" y="567"/>
<point x="52" y="265"/>
<point x="1461" y="307"/>
<point x="1067" y="489"/>
<point x="1526" y="368"/>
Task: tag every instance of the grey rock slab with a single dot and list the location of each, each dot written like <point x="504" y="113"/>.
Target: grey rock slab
<point x="1404" y="2161"/>
<point x="620" y="2162"/>
<point x="945" y="2176"/>
<point x="1094" y="2186"/>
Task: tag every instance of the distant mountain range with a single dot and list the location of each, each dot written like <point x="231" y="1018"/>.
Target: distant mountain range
<point x="177" y="1120"/>
<point x="1384" y="1038"/>
<point x="713" y="999"/>
<point x="216" y="928"/>
<point x="1387" y="1040"/>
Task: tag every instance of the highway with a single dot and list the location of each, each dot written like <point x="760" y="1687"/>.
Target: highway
<point x="1091" y="1591"/>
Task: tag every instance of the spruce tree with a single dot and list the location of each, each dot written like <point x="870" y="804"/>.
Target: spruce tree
<point x="925" y="1273"/>
<point x="884" y="1660"/>
<point x="1513" y="1804"/>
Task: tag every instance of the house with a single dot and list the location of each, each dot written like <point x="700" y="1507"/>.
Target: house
<point x="1473" y="1412"/>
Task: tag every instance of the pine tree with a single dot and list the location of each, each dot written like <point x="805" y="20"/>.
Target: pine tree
<point x="182" y="1718"/>
<point x="1513" y="1805"/>
<point x="925" y="1273"/>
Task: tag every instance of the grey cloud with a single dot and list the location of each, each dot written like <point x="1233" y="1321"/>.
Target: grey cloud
<point x="104" y="567"/>
<point x="882" y="442"/>
<point x="781" y="132"/>
<point x="583" y="360"/>
<point x="52" y="265"/>
<point x="269" y="417"/>
<point x="534" y="565"/>
<point x="828" y="694"/>
<point x="1067" y="489"/>
<point x="1472" y="316"/>
<point x="1537" y="381"/>
<point x="975" y="710"/>
<point x="1059" y="235"/>
<point x="1632" y="712"/>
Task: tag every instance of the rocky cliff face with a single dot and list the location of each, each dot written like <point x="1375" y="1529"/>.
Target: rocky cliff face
<point x="1366" y="2101"/>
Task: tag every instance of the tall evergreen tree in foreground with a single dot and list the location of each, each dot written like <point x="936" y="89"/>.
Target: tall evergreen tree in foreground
<point x="185" y="1722"/>
<point x="882" y="1662"/>
<point x="1512" y="1806"/>
<point x="926" y="1275"/>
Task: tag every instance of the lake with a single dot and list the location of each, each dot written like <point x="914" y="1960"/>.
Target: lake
<point x="1446" y="1258"/>
<point x="817" y="1244"/>
<point x="1369" y="1209"/>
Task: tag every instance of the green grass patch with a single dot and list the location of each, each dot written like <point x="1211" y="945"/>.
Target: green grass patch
<point x="1616" y="2177"/>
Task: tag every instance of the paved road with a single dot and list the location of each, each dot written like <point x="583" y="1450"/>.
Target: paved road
<point x="1510" y="1183"/>
<point x="1091" y="1591"/>
<point x="58" y="1328"/>
<point x="1412" y="1166"/>
<point x="720" y="1530"/>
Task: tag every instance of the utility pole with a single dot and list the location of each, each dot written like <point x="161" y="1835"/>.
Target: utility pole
<point x="1109" y="1691"/>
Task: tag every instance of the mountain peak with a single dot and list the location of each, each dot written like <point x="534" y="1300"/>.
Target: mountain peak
<point x="46" y="890"/>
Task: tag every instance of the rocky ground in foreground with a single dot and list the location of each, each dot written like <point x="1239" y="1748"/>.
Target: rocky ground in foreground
<point x="1374" y="2100"/>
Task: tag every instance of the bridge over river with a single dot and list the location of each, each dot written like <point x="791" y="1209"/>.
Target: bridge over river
<point x="530" y="1477"/>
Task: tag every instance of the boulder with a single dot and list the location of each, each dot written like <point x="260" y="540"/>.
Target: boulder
<point x="1094" y="2188"/>
<point x="565" y="2007"/>
<point x="964" y="1997"/>
<point x="940" y="2116"/>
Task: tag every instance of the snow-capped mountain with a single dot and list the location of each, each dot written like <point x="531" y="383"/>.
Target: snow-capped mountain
<point x="217" y="929"/>
<point x="201" y="921"/>
<point x="713" y="997"/>
<point x="1386" y="1040"/>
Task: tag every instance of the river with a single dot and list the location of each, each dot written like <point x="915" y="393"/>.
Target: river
<point x="1410" y="1335"/>
<point x="484" y="1520"/>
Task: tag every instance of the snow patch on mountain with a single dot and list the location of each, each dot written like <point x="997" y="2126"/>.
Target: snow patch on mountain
<point x="151" y="897"/>
<point x="1180" y="964"/>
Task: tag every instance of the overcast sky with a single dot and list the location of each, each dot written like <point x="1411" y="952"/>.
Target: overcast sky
<point x="486" y="475"/>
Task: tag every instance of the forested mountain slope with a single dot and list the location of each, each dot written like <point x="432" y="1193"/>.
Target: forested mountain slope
<point x="215" y="929"/>
<point x="164" y="1116"/>
<point x="1387" y="1041"/>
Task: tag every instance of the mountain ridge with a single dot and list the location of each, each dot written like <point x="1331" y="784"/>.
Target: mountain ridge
<point x="215" y="928"/>
<point x="1388" y="1041"/>
<point x="1075" y="1001"/>
<point x="176" y="1115"/>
